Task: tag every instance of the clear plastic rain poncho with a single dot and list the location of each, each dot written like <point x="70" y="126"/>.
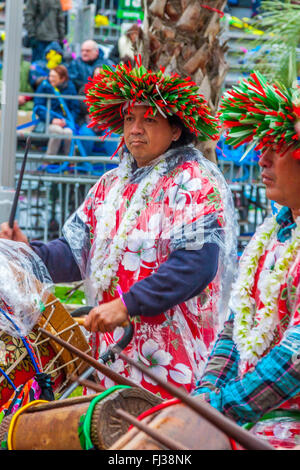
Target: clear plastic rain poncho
<point x="138" y="216"/>
<point x="24" y="286"/>
<point x="280" y="426"/>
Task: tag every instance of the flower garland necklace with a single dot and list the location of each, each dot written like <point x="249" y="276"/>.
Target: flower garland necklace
<point x="108" y="253"/>
<point x="254" y="330"/>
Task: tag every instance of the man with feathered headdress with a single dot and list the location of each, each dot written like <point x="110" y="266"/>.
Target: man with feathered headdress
<point x="155" y="237"/>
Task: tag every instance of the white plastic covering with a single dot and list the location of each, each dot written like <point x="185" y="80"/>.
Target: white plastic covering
<point x="137" y="217"/>
<point x="24" y="286"/>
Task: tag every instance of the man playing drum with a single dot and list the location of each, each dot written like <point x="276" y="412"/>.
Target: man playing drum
<point x="254" y="367"/>
<point x="155" y="239"/>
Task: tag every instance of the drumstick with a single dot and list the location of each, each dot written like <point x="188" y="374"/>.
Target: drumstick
<point x="70" y="292"/>
<point x="80" y="321"/>
<point x="231" y="429"/>
<point x="164" y="440"/>
<point x="119" y="379"/>
<point x="89" y="384"/>
<point x="17" y="193"/>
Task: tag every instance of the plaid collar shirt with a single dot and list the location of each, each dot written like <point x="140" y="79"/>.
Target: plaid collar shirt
<point x="274" y="382"/>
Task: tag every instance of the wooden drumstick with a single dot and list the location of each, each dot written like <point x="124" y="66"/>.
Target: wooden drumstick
<point x="80" y="321"/>
<point x="17" y="193"/>
<point x="114" y="376"/>
<point x="166" y="441"/>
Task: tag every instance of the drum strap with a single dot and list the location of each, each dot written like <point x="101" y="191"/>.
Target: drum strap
<point x="84" y="428"/>
<point x="14" y="419"/>
<point x="8" y="379"/>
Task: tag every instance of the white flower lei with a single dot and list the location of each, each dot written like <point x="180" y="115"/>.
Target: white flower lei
<point x="252" y="340"/>
<point x="102" y="272"/>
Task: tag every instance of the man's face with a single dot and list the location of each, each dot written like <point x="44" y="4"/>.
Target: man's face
<point x="88" y="52"/>
<point x="281" y="175"/>
<point x="147" y="137"/>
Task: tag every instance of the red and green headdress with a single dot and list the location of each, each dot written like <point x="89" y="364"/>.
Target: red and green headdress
<point x="265" y="115"/>
<point x="111" y="89"/>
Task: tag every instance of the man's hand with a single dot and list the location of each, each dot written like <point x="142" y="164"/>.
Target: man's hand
<point x="14" y="233"/>
<point x="106" y="317"/>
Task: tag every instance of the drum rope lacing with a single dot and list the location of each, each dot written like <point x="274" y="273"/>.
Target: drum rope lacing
<point x="23" y="338"/>
<point x="38" y="342"/>
<point x="43" y="379"/>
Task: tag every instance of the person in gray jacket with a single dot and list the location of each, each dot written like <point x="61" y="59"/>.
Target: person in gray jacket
<point x="91" y="57"/>
<point x="44" y="23"/>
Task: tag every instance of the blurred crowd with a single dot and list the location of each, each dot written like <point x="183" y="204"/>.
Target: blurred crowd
<point x="53" y="70"/>
<point x="253" y="4"/>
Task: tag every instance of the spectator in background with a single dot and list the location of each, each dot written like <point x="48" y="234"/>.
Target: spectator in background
<point x="83" y="67"/>
<point x="62" y="114"/>
<point x="129" y="45"/>
<point x="44" y="23"/>
<point x="39" y="70"/>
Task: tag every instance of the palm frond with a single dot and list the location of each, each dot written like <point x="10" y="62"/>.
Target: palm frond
<point x="277" y="56"/>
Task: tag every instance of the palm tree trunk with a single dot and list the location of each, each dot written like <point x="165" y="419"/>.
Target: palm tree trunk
<point x="182" y="36"/>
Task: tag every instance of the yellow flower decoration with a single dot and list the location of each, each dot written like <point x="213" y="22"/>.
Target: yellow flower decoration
<point x="101" y="20"/>
<point x="54" y="59"/>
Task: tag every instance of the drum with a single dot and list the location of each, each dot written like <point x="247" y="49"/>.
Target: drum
<point x="16" y="364"/>
<point x="59" y="425"/>
<point x="179" y="423"/>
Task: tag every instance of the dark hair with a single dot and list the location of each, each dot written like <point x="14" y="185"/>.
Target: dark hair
<point x="186" y="137"/>
<point x="61" y="71"/>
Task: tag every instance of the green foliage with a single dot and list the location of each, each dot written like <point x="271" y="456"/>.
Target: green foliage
<point x="78" y="392"/>
<point x="77" y="297"/>
<point x="277" y="56"/>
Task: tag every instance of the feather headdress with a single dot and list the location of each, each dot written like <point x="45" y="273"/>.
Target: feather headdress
<point x="110" y="90"/>
<point x="262" y="114"/>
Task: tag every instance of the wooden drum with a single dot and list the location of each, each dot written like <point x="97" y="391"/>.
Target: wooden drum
<point x="55" y="425"/>
<point x="181" y="424"/>
<point x="52" y="358"/>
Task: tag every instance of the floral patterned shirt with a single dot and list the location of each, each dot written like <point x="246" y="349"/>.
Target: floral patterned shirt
<point x="275" y="381"/>
<point x="186" y="195"/>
